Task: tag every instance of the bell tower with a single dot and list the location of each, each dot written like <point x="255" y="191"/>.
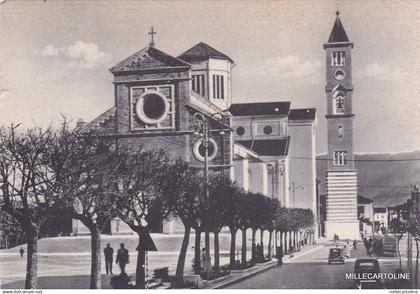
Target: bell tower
<point x="341" y="177"/>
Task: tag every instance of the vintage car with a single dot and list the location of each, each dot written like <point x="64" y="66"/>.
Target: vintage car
<point x="367" y="266"/>
<point x="336" y="255"/>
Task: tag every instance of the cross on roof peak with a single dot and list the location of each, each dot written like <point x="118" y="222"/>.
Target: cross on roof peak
<point x="152" y="33"/>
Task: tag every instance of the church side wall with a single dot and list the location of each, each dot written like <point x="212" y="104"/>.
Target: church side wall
<point x="301" y="166"/>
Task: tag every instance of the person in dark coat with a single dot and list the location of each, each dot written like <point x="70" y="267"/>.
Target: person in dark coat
<point x="370" y="243"/>
<point x="21" y="251"/>
<point x="109" y="254"/>
<point x="122" y="257"/>
<point x="291" y="251"/>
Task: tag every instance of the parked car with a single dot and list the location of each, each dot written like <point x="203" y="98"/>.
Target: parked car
<point x="336" y="255"/>
<point x="364" y="266"/>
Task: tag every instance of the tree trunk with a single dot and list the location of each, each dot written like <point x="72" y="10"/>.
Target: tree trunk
<point x="294" y="240"/>
<point x="32" y="258"/>
<point x="207" y="241"/>
<point x="243" y="253"/>
<point x="179" y="276"/>
<point x="298" y="239"/>
<point x="285" y="242"/>
<point x="216" y="252"/>
<point x="290" y="239"/>
<point x="280" y="243"/>
<point x="270" y="236"/>
<point x="416" y="274"/>
<point x="398" y="250"/>
<point x="232" y="247"/>
<point x="197" y="251"/>
<point x="275" y="243"/>
<point x="254" y="232"/>
<point x="95" y="265"/>
<point x="262" y="241"/>
<point x="140" y="270"/>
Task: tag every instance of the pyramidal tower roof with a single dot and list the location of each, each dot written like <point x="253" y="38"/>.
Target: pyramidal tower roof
<point x="338" y="34"/>
<point x="202" y="52"/>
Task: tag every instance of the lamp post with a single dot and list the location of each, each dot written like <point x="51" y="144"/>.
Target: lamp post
<point x="272" y="172"/>
<point x="293" y="188"/>
<point x="203" y="128"/>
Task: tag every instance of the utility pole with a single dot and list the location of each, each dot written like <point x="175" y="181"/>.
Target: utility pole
<point x="272" y="172"/>
<point x="202" y="123"/>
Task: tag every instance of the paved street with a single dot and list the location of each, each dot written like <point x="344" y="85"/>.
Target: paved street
<point x="308" y="269"/>
<point x="311" y="271"/>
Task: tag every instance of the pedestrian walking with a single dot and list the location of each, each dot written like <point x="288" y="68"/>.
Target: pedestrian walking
<point x="21" y="251"/>
<point x="109" y="253"/>
<point x="291" y="252"/>
<point x="122" y="257"/>
<point x="354" y="244"/>
<point x="370" y="246"/>
<point x="205" y="261"/>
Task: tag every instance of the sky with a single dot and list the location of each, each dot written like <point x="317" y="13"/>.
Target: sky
<point x="55" y="57"/>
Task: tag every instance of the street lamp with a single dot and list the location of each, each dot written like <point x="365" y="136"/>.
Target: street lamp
<point x="272" y="172"/>
<point x="293" y="188"/>
<point x="202" y="129"/>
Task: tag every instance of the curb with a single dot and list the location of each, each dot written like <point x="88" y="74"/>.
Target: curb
<point x="263" y="269"/>
<point x="244" y="277"/>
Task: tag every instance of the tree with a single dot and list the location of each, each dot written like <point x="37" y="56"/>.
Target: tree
<point x="85" y="168"/>
<point x="398" y="229"/>
<point x="222" y="192"/>
<point x="187" y="205"/>
<point x="281" y="224"/>
<point x="258" y="216"/>
<point x="140" y="203"/>
<point x="272" y="206"/>
<point x="245" y="214"/>
<point x="414" y="230"/>
<point x="234" y="218"/>
<point x="26" y="185"/>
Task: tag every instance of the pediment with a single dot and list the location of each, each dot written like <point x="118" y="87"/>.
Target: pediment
<point x="339" y="87"/>
<point x="148" y="58"/>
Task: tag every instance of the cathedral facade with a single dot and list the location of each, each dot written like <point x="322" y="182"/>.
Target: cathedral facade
<point x="157" y="97"/>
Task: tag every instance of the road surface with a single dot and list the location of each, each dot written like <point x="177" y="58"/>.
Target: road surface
<point x="311" y="271"/>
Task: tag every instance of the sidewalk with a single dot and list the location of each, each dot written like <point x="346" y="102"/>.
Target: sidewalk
<point x="238" y="277"/>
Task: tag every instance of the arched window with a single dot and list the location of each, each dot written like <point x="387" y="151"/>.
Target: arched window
<point x="340" y="132"/>
<point x="339" y="102"/>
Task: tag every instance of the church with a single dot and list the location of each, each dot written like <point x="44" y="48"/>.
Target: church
<point x="259" y="145"/>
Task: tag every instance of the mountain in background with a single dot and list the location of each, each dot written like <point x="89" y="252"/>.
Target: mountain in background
<point x="387" y="182"/>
